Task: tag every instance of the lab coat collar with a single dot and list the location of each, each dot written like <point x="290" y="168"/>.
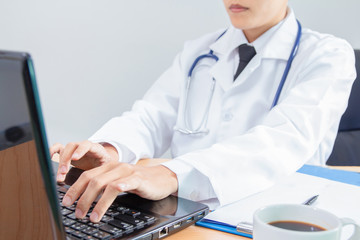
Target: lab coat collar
<point x="276" y="43"/>
<point x="282" y="41"/>
<point x="232" y="38"/>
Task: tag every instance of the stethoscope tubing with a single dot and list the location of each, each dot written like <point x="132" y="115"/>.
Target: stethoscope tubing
<point x="211" y="55"/>
<point x="288" y="65"/>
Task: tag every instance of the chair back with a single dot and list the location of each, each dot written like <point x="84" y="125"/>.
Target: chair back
<point x="346" y="151"/>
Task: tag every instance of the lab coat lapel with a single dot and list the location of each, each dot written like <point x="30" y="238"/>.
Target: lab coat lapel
<point x="281" y="43"/>
<point x="223" y="70"/>
<point x="278" y="47"/>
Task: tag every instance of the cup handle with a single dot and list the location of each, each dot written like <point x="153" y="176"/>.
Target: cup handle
<point x="348" y="221"/>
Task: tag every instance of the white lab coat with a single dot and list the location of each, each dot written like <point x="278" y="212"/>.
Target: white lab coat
<point x="249" y="147"/>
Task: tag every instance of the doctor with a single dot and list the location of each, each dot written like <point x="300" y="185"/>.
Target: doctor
<point x="232" y="133"/>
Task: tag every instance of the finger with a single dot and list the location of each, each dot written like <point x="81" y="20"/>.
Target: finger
<point x="107" y="198"/>
<point x="94" y="188"/>
<point x="96" y="151"/>
<point x="90" y="193"/>
<point x="131" y="183"/>
<point x="111" y="191"/>
<point x="56" y="148"/>
<point x="65" y="159"/>
<point x="83" y="148"/>
<point x="80" y="185"/>
<point x="154" y="183"/>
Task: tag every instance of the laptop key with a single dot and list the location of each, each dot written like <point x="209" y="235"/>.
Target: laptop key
<point x="70" y="237"/>
<point x="122" y="225"/>
<point x="101" y="235"/>
<point x="84" y="220"/>
<point x="106" y="218"/>
<point x="91" y="238"/>
<point x="89" y="230"/>
<point x="69" y="230"/>
<point x="96" y="225"/>
<point x="132" y="213"/>
<point x="72" y="216"/>
<point x="111" y="229"/>
<point x="78" y="226"/>
<point x="72" y="207"/>
<point x="123" y="209"/>
<point x="111" y="212"/>
<point x="146" y="218"/>
<point x="68" y="222"/>
<point x="65" y="211"/>
<point x="79" y="234"/>
<point x="129" y="219"/>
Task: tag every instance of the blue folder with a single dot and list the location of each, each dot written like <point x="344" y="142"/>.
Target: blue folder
<point x="331" y="174"/>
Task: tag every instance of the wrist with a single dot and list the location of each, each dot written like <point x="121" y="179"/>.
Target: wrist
<point x="172" y="179"/>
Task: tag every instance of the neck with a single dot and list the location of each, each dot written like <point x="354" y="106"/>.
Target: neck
<point x="253" y="33"/>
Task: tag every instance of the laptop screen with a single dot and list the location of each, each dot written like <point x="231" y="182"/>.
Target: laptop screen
<point x="22" y="129"/>
<point x="15" y="127"/>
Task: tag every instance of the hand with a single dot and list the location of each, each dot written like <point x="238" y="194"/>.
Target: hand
<point x="85" y="155"/>
<point x="112" y="178"/>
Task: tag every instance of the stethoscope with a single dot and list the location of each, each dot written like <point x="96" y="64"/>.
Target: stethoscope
<point x="201" y="129"/>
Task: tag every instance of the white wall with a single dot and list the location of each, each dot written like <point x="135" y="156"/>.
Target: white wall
<point x="338" y="17"/>
<point x="94" y="58"/>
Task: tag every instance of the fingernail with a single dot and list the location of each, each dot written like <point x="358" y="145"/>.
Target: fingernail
<point x="94" y="217"/>
<point x="78" y="213"/>
<point x="75" y="156"/>
<point x="63" y="169"/>
<point x="123" y="186"/>
<point x="60" y="177"/>
<point x="66" y="201"/>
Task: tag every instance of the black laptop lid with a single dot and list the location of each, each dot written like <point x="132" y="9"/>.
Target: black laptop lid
<point x="21" y="120"/>
<point x="15" y="127"/>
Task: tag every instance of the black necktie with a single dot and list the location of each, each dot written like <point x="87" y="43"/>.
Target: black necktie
<point x="246" y="53"/>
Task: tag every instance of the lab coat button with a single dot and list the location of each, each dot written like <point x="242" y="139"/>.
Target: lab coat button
<point x="228" y="116"/>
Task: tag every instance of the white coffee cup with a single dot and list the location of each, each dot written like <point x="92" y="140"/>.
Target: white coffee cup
<point x="331" y="224"/>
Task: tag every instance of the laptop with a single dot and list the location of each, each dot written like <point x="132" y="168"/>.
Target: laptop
<point x="29" y="195"/>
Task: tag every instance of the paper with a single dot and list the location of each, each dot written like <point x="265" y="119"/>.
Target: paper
<point x="341" y="199"/>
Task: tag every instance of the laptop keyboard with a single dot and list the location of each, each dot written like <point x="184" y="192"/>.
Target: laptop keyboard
<point x="118" y="221"/>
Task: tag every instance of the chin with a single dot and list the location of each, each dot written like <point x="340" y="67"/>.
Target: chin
<point x="241" y="22"/>
<point x="243" y="25"/>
